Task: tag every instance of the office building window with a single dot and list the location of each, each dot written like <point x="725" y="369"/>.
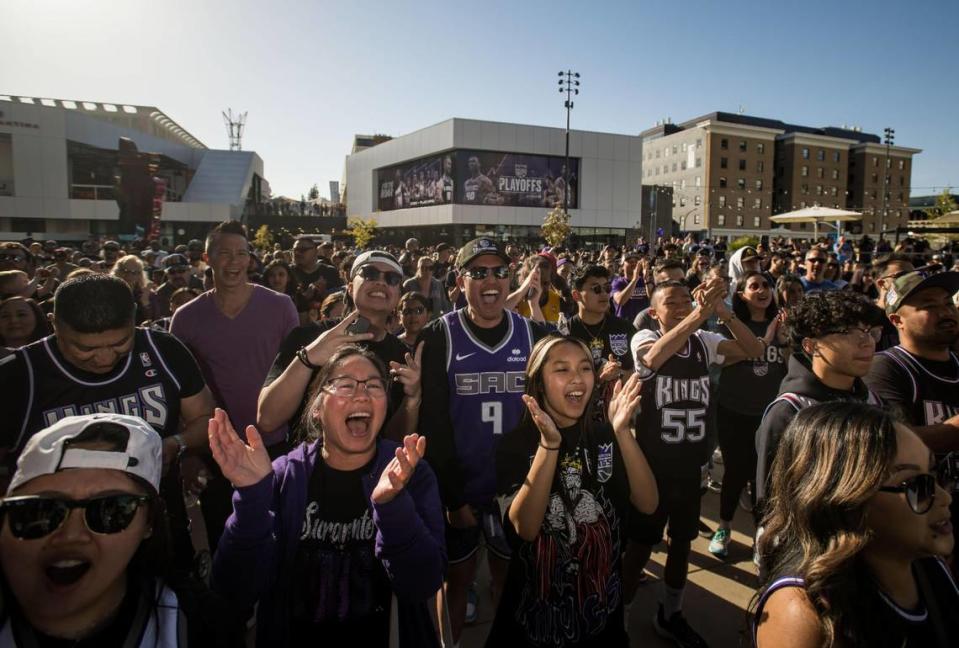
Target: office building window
<point x="835" y="174"/>
<point x="674" y="149"/>
<point x="804" y="189"/>
<point x="720" y="219"/>
<point x="756" y="221"/>
<point x="723" y="163"/>
<point x="682" y="165"/>
<point x="684" y="147"/>
<point x="699" y="162"/>
<point x="722" y="201"/>
<point x="665" y="151"/>
<point x="805" y="153"/>
<point x="699" y="143"/>
<point x="739" y="220"/>
<point x="696" y="218"/>
<point x="674" y="167"/>
<point x="820" y="172"/>
<point x="741" y="183"/>
<point x="740" y="203"/>
<point x="888" y="163"/>
<point x="902" y="164"/>
<point x="682" y="201"/>
<point x="875" y="161"/>
<point x="802" y="205"/>
<point x="742" y="165"/>
<point x="821" y="155"/>
<point x="698" y="200"/>
<point x="835" y="156"/>
<point x="682" y="183"/>
<point x="875" y="177"/>
<point x="724" y="143"/>
<point x="818" y="190"/>
<point x="760" y="148"/>
<point x="758" y="203"/>
<point x="759" y="167"/>
<point x="759" y="185"/>
<point x="657" y="152"/>
<point x="699" y="181"/>
<point x="742" y="145"/>
<point x="722" y="182"/>
<point x="804" y="171"/>
<point x="834" y="191"/>
<point x="902" y="180"/>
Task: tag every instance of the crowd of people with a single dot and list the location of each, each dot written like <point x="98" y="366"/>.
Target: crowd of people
<point x="358" y="426"/>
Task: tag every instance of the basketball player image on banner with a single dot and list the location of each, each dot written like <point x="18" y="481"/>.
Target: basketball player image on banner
<point x="477" y="187"/>
<point x="446" y="184"/>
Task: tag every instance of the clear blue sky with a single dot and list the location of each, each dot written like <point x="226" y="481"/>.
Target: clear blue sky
<point x="313" y="73"/>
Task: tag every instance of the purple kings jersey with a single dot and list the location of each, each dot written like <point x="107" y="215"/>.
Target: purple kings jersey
<point x="486" y="385"/>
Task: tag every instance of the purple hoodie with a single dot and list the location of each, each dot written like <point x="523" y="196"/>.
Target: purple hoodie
<point x="254" y="559"/>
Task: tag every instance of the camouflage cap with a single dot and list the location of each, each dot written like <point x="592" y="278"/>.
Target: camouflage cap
<point x="910" y="283"/>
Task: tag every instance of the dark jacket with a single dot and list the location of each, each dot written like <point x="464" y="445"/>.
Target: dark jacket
<point x="799" y="389"/>
<point x="254" y="559"/>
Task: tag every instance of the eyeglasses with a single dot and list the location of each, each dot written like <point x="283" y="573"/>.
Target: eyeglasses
<point x="33" y="517"/>
<point x="418" y="310"/>
<point x="921" y="490"/>
<point x="481" y="272"/>
<point x="601" y="289"/>
<point x="345" y="387"/>
<point x="371" y="273"/>
<point x="862" y="333"/>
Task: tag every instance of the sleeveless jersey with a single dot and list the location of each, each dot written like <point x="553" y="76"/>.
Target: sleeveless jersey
<point x="144" y="387"/>
<point x="935" y="398"/>
<point x="674" y="415"/>
<point x="485" y="386"/>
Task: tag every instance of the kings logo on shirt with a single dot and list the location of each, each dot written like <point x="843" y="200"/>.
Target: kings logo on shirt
<point x="619" y="343"/>
<point x="148" y="402"/>
<point x="604" y="462"/>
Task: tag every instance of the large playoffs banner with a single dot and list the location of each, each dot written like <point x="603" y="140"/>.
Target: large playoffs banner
<point x="423" y="182"/>
<point x="512" y="179"/>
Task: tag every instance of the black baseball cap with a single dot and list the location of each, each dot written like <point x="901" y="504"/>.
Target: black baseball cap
<point x="477" y="248"/>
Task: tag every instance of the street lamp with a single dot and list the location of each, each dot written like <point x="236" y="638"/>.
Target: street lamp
<point x="890" y="136"/>
<point x="568" y="83"/>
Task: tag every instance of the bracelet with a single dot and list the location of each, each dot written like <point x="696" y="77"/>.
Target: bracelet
<point x="302" y="356"/>
<point x="546" y="447"/>
<point x="732" y="316"/>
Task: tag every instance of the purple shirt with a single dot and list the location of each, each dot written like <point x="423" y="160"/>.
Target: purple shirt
<point x="637" y="302"/>
<point x="236" y="354"/>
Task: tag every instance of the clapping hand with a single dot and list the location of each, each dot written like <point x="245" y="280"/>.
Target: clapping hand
<point x="242" y="464"/>
<point x="548" y="433"/>
<point x="623" y="404"/>
<point x="398" y="472"/>
<point x="610" y="370"/>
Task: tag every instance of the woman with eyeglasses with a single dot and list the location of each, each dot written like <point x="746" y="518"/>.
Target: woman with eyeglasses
<point x="858" y="520"/>
<point x="333" y="538"/>
<point x="84" y="546"/>
<point x="414" y="314"/>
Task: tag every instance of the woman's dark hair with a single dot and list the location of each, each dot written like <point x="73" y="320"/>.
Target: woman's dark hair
<point x="330" y="302"/>
<point x="291" y="283"/>
<point x="782" y="285"/>
<point x="94" y="303"/>
<point x="822" y="313"/>
<point x="831" y="460"/>
<point x="310" y="421"/>
<point x="42" y="327"/>
<point x="741" y="308"/>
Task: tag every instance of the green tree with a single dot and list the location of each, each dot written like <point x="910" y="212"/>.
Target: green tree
<point x="743" y="241"/>
<point x="263" y="239"/>
<point x="362" y="231"/>
<point x="314" y="192"/>
<point x="556" y="228"/>
<point x="944" y="203"/>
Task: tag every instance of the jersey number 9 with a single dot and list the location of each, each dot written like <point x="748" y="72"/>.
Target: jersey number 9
<point x="492" y="412"/>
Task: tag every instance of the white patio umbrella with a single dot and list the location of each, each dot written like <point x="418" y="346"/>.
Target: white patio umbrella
<point x="817" y="215"/>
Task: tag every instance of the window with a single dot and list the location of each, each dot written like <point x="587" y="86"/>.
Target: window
<point x="684" y="147"/>
<point x="760" y="166"/>
<point x="741" y="183"/>
<point x="699" y="181"/>
<point x="739" y="220"/>
<point x="742" y="165"/>
<point x="756" y="221"/>
<point x="657" y="152"/>
<point x="835" y="174"/>
<point x="759" y="185"/>
<point x="740" y="202"/>
<point x="820" y="172"/>
<point x="665" y="151"/>
<point x="682" y="183"/>
<point x="720" y="219"/>
<point x="780" y="171"/>
<point x="722" y="201"/>
<point x="875" y="177"/>
<point x="699" y="162"/>
<point x="696" y="218"/>
<point x="760" y="148"/>
<point x="888" y="163"/>
<point x="804" y="171"/>
<point x="835" y="156"/>
<point x="821" y="155"/>
<point x="805" y="153"/>
<point x="758" y="203"/>
<point x="722" y="182"/>
<point x="818" y="190"/>
<point x="742" y="145"/>
<point x="698" y="200"/>
<point x="674" y="167"/>
<point x="902" y="164"/>
<point x="723" y="163"/>
<point x="682" y="201"/>
<point x="834" y="191"/>
<point x="682" y="165"/>
<point x="902" y="180"/>
<point x="674" y="149"/>
<point x="724" y="143"/>
<point x="875" y="161"/>
<point x="804" y="189"/>
<point x="699" y="143"/>
<point x="802" y="205"/>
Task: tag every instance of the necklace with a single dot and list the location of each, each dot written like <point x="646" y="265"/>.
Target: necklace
<point x="595" y="336"/>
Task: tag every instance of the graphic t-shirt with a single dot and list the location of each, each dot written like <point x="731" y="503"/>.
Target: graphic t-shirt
<point x="342" y="593"/>
<point x="565" y="587"/>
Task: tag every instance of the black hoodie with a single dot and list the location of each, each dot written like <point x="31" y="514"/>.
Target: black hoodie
<point x="799" y="389"/>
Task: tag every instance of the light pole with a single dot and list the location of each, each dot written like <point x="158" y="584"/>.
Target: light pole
<point x="890" y="135"/>
<point x="568" y="83"/>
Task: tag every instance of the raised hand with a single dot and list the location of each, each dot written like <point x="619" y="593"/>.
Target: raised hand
<point x="610" y="370"/>
<point x="623" y="404"/>
<point x="323" y="347"/>
<point x="548" y="433"/>
<point x="398" y="472"/>
<point x="242" y="464"/>
<point x="410" y="375"/>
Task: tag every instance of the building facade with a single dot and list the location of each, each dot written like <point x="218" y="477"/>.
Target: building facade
<point x="731" y="172"/>
<point x="464" y="178"/>
<point x="63" y="166"/>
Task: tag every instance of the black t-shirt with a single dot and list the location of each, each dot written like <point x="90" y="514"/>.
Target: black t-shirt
<point x="387" y="349"/>
<point x="565" y="587"/>
<point x="747" y="387"/>
<point x="435" y="421"/>
<point x="926" y="392"/>
<point x="341" y="594"/>
<point x="323" y="270"/>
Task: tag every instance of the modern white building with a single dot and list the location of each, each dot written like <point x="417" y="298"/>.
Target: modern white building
<point x="61" y="171"/>
<point x="464" y="178"/>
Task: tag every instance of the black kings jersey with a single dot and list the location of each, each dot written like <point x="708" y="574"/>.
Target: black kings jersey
<point x="146" y="383"/>
<point x="926" y="391"/>
<point x="673" y="422"/>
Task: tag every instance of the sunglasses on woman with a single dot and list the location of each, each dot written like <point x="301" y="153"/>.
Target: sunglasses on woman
<point x="371" y="273"/>
<point x="920" y="490"/>
<point x="481" y="272"/>
<point x="32" y="517"/>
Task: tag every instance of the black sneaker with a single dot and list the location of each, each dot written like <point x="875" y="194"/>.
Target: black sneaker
<point x="677" y="630"/>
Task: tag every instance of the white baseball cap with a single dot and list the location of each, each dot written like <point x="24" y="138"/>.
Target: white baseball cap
<point x="139" y="453"/>
<point x="375" y="256"/>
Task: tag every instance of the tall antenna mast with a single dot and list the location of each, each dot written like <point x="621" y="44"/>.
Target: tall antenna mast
<point x="234" y="127"/>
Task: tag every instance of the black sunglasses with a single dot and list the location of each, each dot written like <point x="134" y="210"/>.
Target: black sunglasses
<point x="600" y="289"/>
<point x="921" y="490"/>
<point x="481" y="272"/>
<point x="418" y="310"/>
<point x="371" y="273"/>
<point x="33" y="517"/>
